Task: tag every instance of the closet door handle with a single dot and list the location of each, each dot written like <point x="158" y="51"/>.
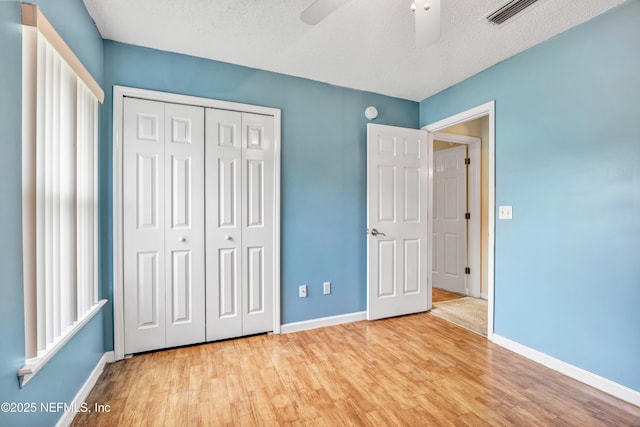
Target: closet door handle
<point x="227" y="237"/>
<point x="182" y="239"/>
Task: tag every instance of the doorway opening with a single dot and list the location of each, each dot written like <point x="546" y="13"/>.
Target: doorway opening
<point x="462" y="244"/>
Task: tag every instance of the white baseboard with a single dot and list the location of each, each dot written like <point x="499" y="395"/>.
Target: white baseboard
<point x="484" y="295"/>
<point x="322" y="322"/>
<point x="83" y="393"/>
<point x="579" y="374"/>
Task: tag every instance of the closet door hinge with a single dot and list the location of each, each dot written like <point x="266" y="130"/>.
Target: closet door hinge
<point x="467" y="270"/>
<point x="467" y="160"/>
<point x="467" y="215"/>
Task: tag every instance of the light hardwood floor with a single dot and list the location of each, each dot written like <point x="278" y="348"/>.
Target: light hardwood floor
<point x="413" y="370"/>
<point x="440" y="295"/>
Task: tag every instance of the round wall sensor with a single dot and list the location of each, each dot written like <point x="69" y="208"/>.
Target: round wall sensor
<point x="371" y="113"/>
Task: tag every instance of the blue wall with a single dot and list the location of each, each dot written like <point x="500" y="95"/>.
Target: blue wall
<point x="323" y="165"/>
<point x="567" y="272"/>
<point x="323" y="185"/>
<point x="567" y="155"/>
<point x="62" y="377"/>
<point x="74" y="24"/>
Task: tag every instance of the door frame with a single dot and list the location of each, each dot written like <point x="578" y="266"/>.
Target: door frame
<point x="484" y="110"/>
<point x="119" y="93"/>
<point x="473" y="206"/>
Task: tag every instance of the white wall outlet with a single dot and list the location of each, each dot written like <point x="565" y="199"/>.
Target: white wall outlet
<point x="302" y="291"/>
<point x="505" y="212"/>
<point x="326" y="288"/>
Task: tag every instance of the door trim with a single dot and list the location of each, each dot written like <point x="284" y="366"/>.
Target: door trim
<point x="473" y="200"/>
<point x="119" y="93"/>
<point x="484" y="110"/>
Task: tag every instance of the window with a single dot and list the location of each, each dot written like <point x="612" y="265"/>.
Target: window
<point x="60" y="192"/>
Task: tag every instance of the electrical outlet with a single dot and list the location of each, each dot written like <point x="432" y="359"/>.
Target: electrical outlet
<point x="505" y="212"/>
<point x="326" y="288"/>
<point x="302" y="291"/>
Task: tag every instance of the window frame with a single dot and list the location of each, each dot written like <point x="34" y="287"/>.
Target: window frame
<point x="81" y="105"/>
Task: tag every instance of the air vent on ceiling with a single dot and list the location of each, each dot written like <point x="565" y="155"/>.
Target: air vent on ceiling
<point x="509" y="10"/>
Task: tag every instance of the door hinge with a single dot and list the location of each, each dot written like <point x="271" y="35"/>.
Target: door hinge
<point x="467" y="215"/>
<point x="467" y="270"/>
<point x="467" y="160"/>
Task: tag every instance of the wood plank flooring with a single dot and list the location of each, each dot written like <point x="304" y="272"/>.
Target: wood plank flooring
<point x="440" y="295"/>
<point x="407" y="371"/>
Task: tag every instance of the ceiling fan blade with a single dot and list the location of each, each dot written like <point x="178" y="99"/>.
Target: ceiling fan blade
<point x="319" y="10"/>
<point x="427" y="22"/>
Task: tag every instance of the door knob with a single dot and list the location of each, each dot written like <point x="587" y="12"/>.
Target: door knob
<point x="182" y="239"/>
<point x="375" y="232"/>
<point x="227" y="237"/>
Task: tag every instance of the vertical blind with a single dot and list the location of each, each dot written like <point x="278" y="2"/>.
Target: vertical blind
<point x="66" y="201"/>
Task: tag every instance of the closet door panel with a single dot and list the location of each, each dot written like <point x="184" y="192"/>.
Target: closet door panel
<point x="144" y="218"/>
<point x="223" y="224"/>
<point x="184" y="231"/>
<point x="257" y="223"/>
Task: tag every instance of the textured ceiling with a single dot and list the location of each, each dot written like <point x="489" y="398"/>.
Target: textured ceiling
<point x="365" y="44"/>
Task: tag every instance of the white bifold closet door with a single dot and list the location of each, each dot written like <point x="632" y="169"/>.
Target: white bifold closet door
<point x="239" y="223"/>
<point x="164" y="277"/>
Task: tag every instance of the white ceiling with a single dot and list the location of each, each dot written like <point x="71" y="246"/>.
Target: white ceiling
<point x="365" y="44"/>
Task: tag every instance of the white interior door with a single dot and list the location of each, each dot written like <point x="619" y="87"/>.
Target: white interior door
<point x="224" y="223"/>
<point x="397" y="196"/>
<point x="449" y="223"/>
<point x="162" y="225"/>
<point x="143" y="206"/>
<point x="257" y="219"/>
<point x="184" y="231"/>
<point x="239" y="222"/>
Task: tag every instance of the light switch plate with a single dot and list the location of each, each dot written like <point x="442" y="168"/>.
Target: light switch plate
<point x="505" y="212"/>
<point x="326" y="288"/>
<point x="302" y="291"/>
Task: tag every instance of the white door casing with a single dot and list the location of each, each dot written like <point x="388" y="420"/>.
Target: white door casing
<point x="449" y="224"/>
<point x="271" y="272"/>
<point x="163" y="173"/>
<point x="397" y="212"/>
<point x="484" y="110"/>
<point x="239" y="223"/>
